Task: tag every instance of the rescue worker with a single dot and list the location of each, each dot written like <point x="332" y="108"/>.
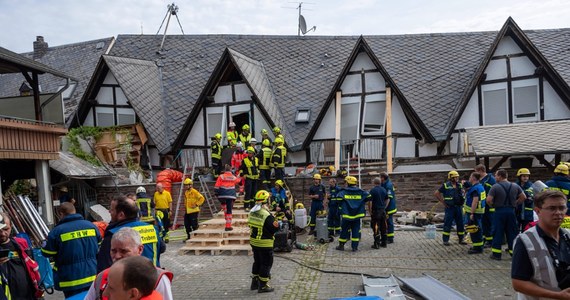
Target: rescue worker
<point x="216" y="149"/>
<point x="73" y="244"/>
<point x="237" y="157"/>
<point x="262" y="228"/>
<point x="280" y="201"/>
<point x="250" y="170"/>
<point x="163" y="203"/>
<point x="264" y="158"/>
<point x="504" y="196"/>
<point x="277" y="133"/>
<point x="132" y="278"/>
<point x="334" y="202"/>
<point x="475" y="208"/>
<point x="377" y="209"/>
<point x="265" y="136"/>
<point x="192" y="201"/>
<point x="487" y="181"/>
<point x="245" y="135"/>
<point x="225" y="190"/>
<point x="353" y="210"/>
<point x="146" y="205"/>
<point x="278" y="159"/>
<point x="525" y="210"/>
<point x="391" y="209"/>
<point x="231" y="134"/>
<point x="124" y="213"/>
<point x="560" y="182"/>
<point x="317" y="194"/>
<point x="253" y="144"/>
<point x="450" y="194"/>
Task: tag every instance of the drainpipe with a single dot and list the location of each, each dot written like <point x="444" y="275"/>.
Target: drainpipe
<point x="337" y="131"/>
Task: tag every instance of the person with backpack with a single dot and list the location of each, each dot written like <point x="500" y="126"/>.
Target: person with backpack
<point x="317" y="194"/>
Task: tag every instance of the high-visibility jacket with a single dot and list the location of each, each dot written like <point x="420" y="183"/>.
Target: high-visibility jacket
<point x="527" y="207"/>
<point x="392" y="208"/>
<point x="560" y="183"/>
<point x="225" y="187"/>
<point x="244" y="139"/>
<point x="353" y="200"/>
<point x="232" y="135"/>
<point x="73" y="244"/>
<point x="145" y="205"/>
<point x="216" y="150"/>
<point x="192" y="200"/>
<point x="249" y="168"/>
<point x="237" y="158"/>
<point x="476" y="191"/>
<point x="262" y="228"/>
<point x="452" y="195"/>
<point x="278" y="157"/>
<point x="264" y="158"/>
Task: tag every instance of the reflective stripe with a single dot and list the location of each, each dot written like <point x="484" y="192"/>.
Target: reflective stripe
<point x="461" y="233"/>
<point x="495" y="250"/>
<point x="342" y="240"/>
<point x="353" y="197"/>
<point x="77" y="282"/>
<point x="491" y="209"/>
<point x="478" y="244"/>
<point x="353" y="217"/>
<point x="49" y="252"/>
<point x="148" y="234"/>
<point x="390" y="234"/>
<point x="393" y="211"/>
<point x="77" y="234"/>
<point x="249" y="165"/>
<point x="355" y="239"/>
<point x="446" y="233"/>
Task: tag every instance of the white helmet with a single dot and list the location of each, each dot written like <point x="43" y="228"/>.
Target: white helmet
<point x="253" y="140"/>
<point x="232" y="124"/>
<point x="239" y="145"/>
<point x="141" y="189"/>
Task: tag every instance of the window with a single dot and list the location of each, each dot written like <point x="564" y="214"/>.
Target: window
<point x="105" y="119"/>
<point x="303" y="115"/>
<point x="374" y="113"/>
<point x="495" y="107"/>
<point x="525" y="103"/>
<point x="350" y="115"/>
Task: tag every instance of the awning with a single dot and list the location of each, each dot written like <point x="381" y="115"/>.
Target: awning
<point x="73" y="167"/>
<point x="520" y="139"/>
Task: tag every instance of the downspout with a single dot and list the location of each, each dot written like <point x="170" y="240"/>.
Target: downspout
<point x="50" y="99"/>
<point x="337" y="131"/>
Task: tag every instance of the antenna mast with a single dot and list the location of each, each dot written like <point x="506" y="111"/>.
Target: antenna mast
<point x="172" y="11"/>
<point x="302" y="25"/>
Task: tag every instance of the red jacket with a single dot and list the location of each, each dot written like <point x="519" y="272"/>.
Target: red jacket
<point x="237" y="157"/>
<point x="154" y="296"/>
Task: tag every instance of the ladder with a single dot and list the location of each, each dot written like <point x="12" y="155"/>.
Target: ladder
<point x="205" y="191"/>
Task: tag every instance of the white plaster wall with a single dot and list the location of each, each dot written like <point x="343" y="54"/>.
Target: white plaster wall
<point x="327" y="125"/>
<point x="470" y="116"/>
<point x="242" y="92"/>
<point x="110" y="79"/>
<point x="496" y="69"/>
<point x="452" y="145"/>
<point x="196" y="136"/>
<point x="362" y="61"/>
<point x="507" y="46"/>
<point x="521" y="66"/>
<point x="428" y="149"/>
<point x="405" y="147"/>
<point x="89" y="119"/>
<point x="554" y="108"/>
<point x="260" y="123"/>
<point x="297" y="157"/>
<point x="351" y="84"/>
<point x="374" y="82"/>
<point x="154" y="157"/>
<point x="105" y="95"/>
<point x="399" y="122"/>
<point x="223" y="94"/>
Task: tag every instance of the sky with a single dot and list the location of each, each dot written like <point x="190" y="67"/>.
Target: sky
<point x="70" y="21"/>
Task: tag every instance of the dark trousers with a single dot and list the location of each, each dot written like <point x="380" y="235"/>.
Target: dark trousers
<point x="453" y="213"/>
<point x="250" y="190"/>
<point x="68" y="294"/>
<point x="265" y="178"/>
<point x="379" y="226"/>
<point x="333" y="221"/>
<point x="477" y="237"/>
<point x="191" y="222"/>
<point x="390" y="230"/>
<point x="487" y="225"/>
<point x="262" y="263"/>
<point x="315" y="206"/>
<point x="350" y="227"/>
<point x="504" y="223"/>
<point x="165" y="219"/>
<point x="216" y="167"/>
<point x="228" y="203"/>
<point x="279" y="173"/>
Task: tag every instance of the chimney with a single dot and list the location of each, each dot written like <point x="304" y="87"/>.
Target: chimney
<point x="40" y="47"/>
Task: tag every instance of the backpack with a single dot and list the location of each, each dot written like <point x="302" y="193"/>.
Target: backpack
<point x="32" y="268"/>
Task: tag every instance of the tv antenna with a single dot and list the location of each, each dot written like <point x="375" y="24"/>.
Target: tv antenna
<point x="172" y="11"/>
<point x="302" y="24"/>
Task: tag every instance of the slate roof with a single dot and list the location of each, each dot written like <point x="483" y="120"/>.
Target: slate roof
<point x="78" y="60"/>
<point x="432" y="71"/>
<point x="507" y="138"/>
<point x="10" y="62"/>
<point x="73" y="167"/>
<point x="140" y="81"/>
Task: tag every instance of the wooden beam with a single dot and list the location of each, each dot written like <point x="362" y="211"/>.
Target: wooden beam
<point x="543" y="161"/>
<point x="499" y="164"/>
<point x="338" y="108"/>
<point x="486" y="162"/>
<point x="389" y="139"/>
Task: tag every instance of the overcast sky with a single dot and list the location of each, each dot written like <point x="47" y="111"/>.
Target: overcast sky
<point x="70" y="21"/>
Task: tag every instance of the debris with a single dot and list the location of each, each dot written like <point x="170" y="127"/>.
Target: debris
<point x="99" y="213"/>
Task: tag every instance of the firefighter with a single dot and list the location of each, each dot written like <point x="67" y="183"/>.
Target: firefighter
<point x="277" y="133"/>
<point x="474" y="207"/>
<point x="231" y="134"/>
<point x="334" y="208"/>
<point x="487" y="181"/>
<point x="525" y="210"/>
<point x="262" y="228"/>
<point x="391" y="209"/>
<point x="216" y="149"/>
<point x="146" y="206"/>
<point x="280" y="201"/>
<point x="353" y="210"/>
<point x="264" y="158"/>
<point x="192" y="201"/>
<point x="265" y="136"/>
<point x="317" y="193"/>
<point x="560" y="182"/>
<point x="450" y="194"/>
<point x="250" y="170"/>
<point x="278" y="159"/>
<point x="245" y="135"/>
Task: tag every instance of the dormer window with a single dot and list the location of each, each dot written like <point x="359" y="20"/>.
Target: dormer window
<point x="303" y="115"/>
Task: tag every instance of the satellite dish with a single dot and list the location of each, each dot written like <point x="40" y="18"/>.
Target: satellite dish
<point x="302" y="24"/>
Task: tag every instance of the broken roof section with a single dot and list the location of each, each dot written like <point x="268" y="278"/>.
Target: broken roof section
<point x="73" y="167"/>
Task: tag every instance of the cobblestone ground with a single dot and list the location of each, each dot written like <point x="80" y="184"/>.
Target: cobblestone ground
<point x="227" y="277"/>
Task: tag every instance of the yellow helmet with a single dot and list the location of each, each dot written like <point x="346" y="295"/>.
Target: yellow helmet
<point x="452" y="174"/>
<point x="218" y="136"/>
<point x="351" y="180"/>
<point x="261" y="196"/>
<point x="264" y="131"/>
<point x="472" y="228"/>
<point x="299" y="206"/>
<point x="159" y="214"/>
<point x="250" y="150"/>
<point x="561" y="168"/>
<point x="317" y="176"/>
<point x="278" y="141"/>
<point x="276" y="129"/>
<point x="523" y="171"/>
<point x="266" y="143"/>
<point x="245" y="127"/>
<point x="279" y="182"/>
<point x="188" y="181"/>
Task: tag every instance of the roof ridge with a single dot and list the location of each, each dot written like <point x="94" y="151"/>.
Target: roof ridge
<point x="72" y="44"/>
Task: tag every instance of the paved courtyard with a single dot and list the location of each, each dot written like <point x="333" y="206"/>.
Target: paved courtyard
<point x="227" y="277"/>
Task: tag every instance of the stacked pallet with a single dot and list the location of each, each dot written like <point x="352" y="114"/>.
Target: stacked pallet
<point x="212" y="238"/>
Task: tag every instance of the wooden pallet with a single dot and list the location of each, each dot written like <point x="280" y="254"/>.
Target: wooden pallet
<point x="236" y="240"/>
<point x="221" y="223"/>
<point x="229" y="249"/>
<point x="204" y="242"/>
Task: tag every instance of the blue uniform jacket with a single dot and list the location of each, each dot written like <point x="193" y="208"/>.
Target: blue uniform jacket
<point x="353" y="200"/>
<point x="334" y="200"/>
<point x="379" y="196"/>
<point x="561" y="183"/>
<point x="452" y="196"/>
<point x="487" y="182"/>
<point x="479" y="191"/>
<point x="73" y="244"/>
<point x="392" y="208"/>
<point x="525" y="209"/>
<point x="317" y="190"/>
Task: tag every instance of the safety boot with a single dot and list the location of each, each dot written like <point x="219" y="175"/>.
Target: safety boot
<point x="340" y="247"/>
<point x="376" y="244"/>
<point x="254" y="283"/>
<point x="264" y="287"/>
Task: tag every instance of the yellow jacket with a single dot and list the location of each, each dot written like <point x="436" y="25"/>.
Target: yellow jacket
<point x="192" y="200"/>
